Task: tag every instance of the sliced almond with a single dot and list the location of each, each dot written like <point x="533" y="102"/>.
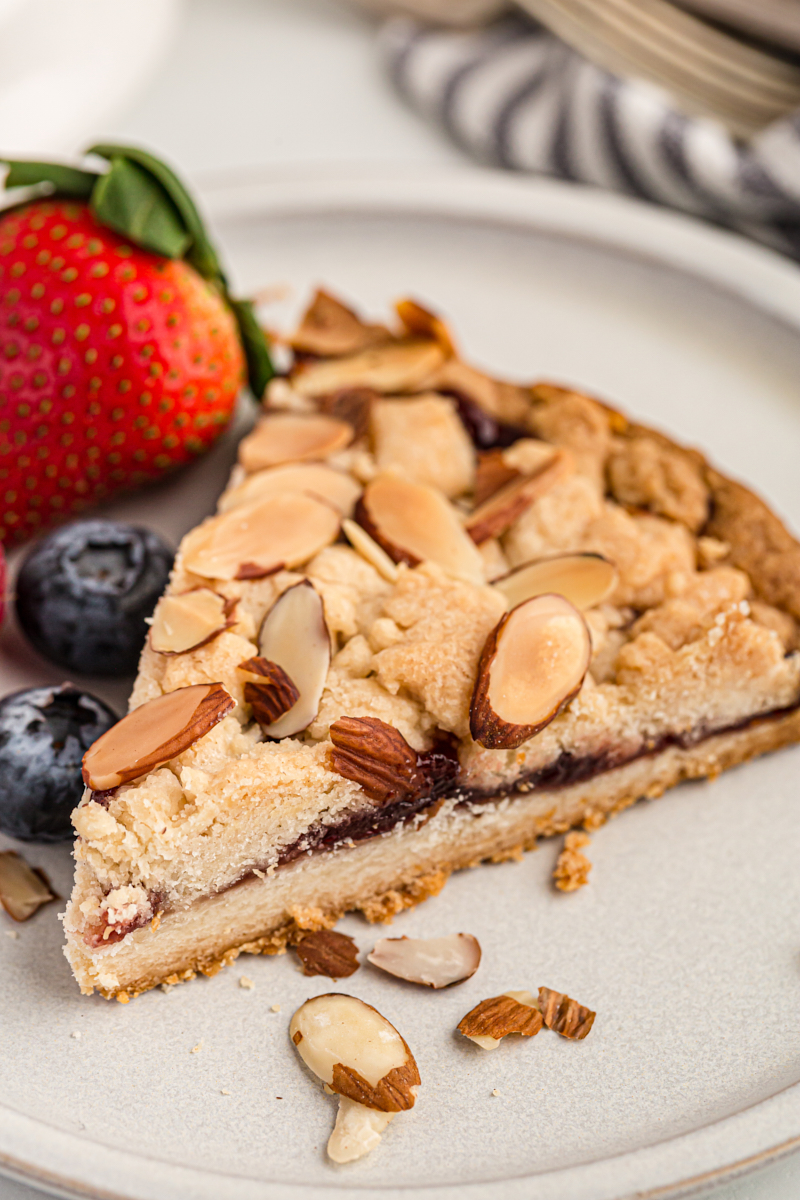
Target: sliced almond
<point x="270" y="693"/>
<point x="285" y="437"/>
<point x="377" y="757"/>
<point x="434" y="962"/>
<point x="565" y="1015"/>
<point x="258" y="539"/>
<point x="326" y="952"/>
<point x="295" y="636"/>
<point x="357" y="1130"/>
<point x="370" y="551"/>
<point x="23" y="889"/>
<point x="395" y="367"/>
<point x="491" y="474"/>
<point x="583" y="579"/>
<point x="415" y="523"/>
<point x="494" y="1019"/>
<point x="532" y="665"/>
<point x="350" y="404"/>
<point x="329" y="327"/>
<point x="191" y="619"/>
<point x="495" y="515"/>
<point x="312" y="479"/>
<point x="421" y="322"/>
<point x="356" y="1051"/>
<point x="154" y="734"/>
<point x="528" y="455"/>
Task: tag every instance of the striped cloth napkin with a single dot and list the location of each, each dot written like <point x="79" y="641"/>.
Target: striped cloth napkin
<point x="513" y="95"/>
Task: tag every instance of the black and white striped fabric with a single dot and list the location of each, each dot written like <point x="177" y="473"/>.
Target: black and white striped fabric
<point x="515" y="96"/>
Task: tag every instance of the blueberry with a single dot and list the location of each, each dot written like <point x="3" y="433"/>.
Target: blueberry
<point x="44" y="733"/>
<point x="83" y="594"/>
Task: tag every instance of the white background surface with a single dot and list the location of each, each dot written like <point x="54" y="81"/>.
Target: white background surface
<point x="250" y="83"/>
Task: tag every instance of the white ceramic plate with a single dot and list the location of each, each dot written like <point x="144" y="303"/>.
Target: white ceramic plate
<point x="686" y="940"/>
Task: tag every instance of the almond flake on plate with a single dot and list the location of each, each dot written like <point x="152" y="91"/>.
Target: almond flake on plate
<point x="23" y="889"/>
<point x="326" y="952"/>
<point x="361" y="1057"/>
<point x="564" y="1015"/>
<point x="434" y="962"/>
<point x="496" y="1018"/>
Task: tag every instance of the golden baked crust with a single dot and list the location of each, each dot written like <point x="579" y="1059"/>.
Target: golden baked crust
<point x="417" y="874"/>
<point x="694" y="662"/>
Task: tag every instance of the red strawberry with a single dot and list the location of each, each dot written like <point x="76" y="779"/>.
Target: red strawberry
<point x="117" y="364"/>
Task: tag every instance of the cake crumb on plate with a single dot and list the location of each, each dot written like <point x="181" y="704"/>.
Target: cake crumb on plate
<point x="572" y="867"/>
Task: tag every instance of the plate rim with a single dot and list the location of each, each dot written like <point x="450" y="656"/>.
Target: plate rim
<point x="673" y="241"/>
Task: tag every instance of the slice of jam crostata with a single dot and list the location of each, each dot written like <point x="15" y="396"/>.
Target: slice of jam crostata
<point x="436" y="616"/>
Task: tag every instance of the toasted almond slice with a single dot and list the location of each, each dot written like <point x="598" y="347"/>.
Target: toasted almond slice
<point x="421" y="322"/>
<point x="565" y="1015"/>
<point x="369" y="550"/>
<point x="153" y="734"/>
<point x="295" y="636"/>
<point x="329" y="327"/>
<point x="491" y="474"/>
<point x="285" y="437"/>
<point x="270" y="692"/>
<point x="583" y="579"/>
<point x="396" y="367"/>
<point x="434" y="962"/>
<point x="350" y="404"/>
<point x="258" y="539"/>
<point x="326" y="952"/>
<point x="414" y="523"/>
<point x="191" y="619"/>
<point x="493" y="517"/>
<point x="533" y="664"/>
<point x="312" y="479"/>
<point x="357" y="1130"/>
<point x="494" y="1019"/>
<point x="23" y="889"/>
<point x="528" y="455"/>
<point x="353" y="1048"/>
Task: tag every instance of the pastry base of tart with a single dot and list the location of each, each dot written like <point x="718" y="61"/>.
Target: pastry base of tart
<point x="382" y="876"/>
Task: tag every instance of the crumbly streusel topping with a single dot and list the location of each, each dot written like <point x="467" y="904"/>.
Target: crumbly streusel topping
<point x="700" y="632"/>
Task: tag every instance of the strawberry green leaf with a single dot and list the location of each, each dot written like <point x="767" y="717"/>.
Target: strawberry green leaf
<point x="66" y="181"/>
<point x="143" y="200"/>
<point x="200" y="253"/>
<point x="129" y="200"/>
<point x="254" y="342"/>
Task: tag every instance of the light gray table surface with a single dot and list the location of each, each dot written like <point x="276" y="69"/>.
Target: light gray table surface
<point x="249" y="84"/>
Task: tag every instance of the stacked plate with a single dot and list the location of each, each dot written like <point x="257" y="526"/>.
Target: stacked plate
<point x="740" y="66"/>
<point x="709" y="71"/>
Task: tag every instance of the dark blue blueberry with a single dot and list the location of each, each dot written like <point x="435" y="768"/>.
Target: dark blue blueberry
<point x="44" y="733"/>
<point x="83" y="594"/>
